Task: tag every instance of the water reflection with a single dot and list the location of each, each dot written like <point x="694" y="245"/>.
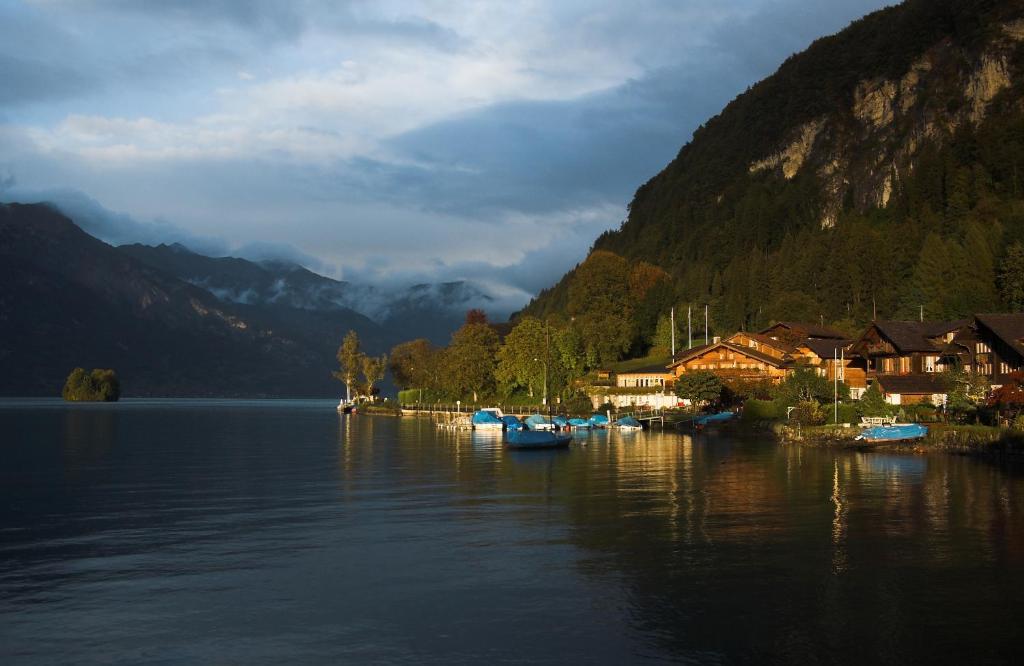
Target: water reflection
<point x="376" y="539"/>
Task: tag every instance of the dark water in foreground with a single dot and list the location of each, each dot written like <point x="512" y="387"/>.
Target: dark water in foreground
<point x="280" y="532"/>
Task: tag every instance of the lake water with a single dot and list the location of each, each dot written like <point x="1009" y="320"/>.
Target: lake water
<point x="270" y="532"/>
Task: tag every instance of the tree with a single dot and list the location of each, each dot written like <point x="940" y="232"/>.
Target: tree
<point x="470" y="360"/>
<point x="476" y="316"/>
<point x="99" y="385"/>
<point x="521" y="359"/>
<point x="599" y="299"/>
<point x="873" y="403"/>
<point x="967" y="390"/>
<point x="1011" y="278"/>
<point x="699" y="387"/>
<point x="806" y="385"/>
<point x="570" y="359"/>
<point x="413" y="364"/>
<point x="663" y="335"/>
<point x="1009" y="397"/>
<point x="350" y="363"/>
<point x="373" y="371"/>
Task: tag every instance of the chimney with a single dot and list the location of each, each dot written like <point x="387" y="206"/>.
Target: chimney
<point x="716" y="339"/>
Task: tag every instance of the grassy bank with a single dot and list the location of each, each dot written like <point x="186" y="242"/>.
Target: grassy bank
<point x="960" y="439"/>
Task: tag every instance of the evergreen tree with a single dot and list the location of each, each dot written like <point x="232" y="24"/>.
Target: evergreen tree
<point x="1011" y="278"/>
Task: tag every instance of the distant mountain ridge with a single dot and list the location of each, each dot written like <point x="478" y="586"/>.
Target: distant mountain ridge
<point x="176" y="323"/>
<point x="832" y="189"/>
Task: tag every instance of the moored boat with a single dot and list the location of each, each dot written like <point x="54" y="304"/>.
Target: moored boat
<point x="346" y="407"/>
<point x="708" y="419"/>
<point x="512" y="423"/>
<point x="898" y="432"/>
<point x="579" y="424"/>
<point x="485" y="419"/>
<point x="598" y="421"/>
<point x="536" y="439"/>
<point x="629" y="424"/>
<point x="539" y="422"/>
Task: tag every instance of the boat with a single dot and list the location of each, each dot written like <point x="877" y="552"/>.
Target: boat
<point x="512" y="423"/>
<point x="485" y="419"/>
<point x="579" y="424"/>
<point x="536" y="439"/>
<point x="898" y="432"/>
<point x="628" y="423"/>
<point x="598" y="421"/>
<point x="539" y="422"/>
<point x="560" y="422"/>
<point x="346" y="407"/>
<point x="708" y="419"/>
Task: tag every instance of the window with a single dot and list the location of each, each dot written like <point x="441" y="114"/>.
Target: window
<point x="904" y="364"/>
<point x="930" y="363"/>
<point x="982" y="348"/>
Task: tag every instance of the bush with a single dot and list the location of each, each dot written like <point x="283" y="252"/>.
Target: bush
<point x="848" y="413"/>
<point x="808" y="413"/>
<point x="763" y="410"/>
<point x="99" y="385"/>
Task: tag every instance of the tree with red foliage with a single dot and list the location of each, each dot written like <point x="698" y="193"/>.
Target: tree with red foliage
<point x="1010" y="396"/>
<point x="476" y="316"/>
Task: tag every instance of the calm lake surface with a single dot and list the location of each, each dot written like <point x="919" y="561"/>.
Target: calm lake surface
<point x="279" y="531"/>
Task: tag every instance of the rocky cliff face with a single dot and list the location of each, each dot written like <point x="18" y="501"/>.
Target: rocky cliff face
<point x="865" y="148"/>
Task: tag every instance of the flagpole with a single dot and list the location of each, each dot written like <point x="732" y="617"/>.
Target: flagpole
<point x="689" y="327"/>
<point x="673" y="334"/>
<point x="835" y="382"/>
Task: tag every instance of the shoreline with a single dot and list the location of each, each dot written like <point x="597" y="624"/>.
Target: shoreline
<point x="980" y="441"/>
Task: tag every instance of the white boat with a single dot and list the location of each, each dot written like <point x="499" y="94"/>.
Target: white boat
<point x="346" y="407"/>
<point x="488" y="419"/>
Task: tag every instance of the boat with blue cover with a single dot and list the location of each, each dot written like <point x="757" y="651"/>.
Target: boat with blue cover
<point x="485" y="419"/>
<point x="598" y="421"/>
<point x="899" y="432"/>
<point x="628" y="423"/>
<point x="539" y="422"/>
<point x="536" y="439"/>
<point x="512" y="423"/>
<point x="708" y="419"/>
<point x="560" y="421"/>
<point x="579" y="424"/>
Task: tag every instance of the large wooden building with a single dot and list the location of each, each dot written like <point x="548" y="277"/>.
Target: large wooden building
<point x="992" y="345"/>
<point x="730" y="360"/>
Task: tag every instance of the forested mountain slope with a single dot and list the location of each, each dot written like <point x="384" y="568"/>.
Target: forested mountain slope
<point x="877" y="172"/>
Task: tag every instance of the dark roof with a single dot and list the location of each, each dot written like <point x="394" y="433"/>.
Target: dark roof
<point x="913" y="336"/>
<point x="920" y="384"/>
<point x="752" y="353"/>
<point x="808" y="329"/>
<point x="1007" y="327"/>
<point x="782" y="345"/>
<point x="660" y="369"/>
<point x="827" y="348"/>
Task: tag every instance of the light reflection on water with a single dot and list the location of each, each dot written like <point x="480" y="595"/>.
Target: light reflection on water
<point x="262" y="531"/>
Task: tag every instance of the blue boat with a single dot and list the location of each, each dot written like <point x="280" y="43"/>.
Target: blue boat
<point x="486" y="420"/>
<point x="579" y="424"/>
<point x="561" y="421"/>
<point x="708" y="419"/>
<point x="539" y="422"/>
<point x="894" y="433"/>
<point x="536" y="439"/>
<point x="628" y="423"/>
<point x="512" y="423"/>
<point x="598" y="421"/>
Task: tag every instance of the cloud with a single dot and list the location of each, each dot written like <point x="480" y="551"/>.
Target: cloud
<point x="388" y="140"/>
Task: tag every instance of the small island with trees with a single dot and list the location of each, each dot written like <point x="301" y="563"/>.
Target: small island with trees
<point x="98" y="385"/>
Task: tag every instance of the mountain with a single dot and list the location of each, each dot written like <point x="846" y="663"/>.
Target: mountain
<point x="431" y="311"/>
<point x="879" y="172"/>
<point x="68" y="299"/>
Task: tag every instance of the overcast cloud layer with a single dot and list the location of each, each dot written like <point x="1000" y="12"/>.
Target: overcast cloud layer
<point x="386" y="140"/>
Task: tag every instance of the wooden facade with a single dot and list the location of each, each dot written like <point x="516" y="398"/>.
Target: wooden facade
<point x="731" y="361"/>
<point x="653" y="377"/>
<point x="992" y="345"/>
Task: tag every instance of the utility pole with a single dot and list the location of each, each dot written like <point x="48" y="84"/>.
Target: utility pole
<point x="673" y="334"/>
<point x="689" y="326"/>
<point x="922" y="313"/>
<point x="706" y="327"/>
<point x="835" y="384"/>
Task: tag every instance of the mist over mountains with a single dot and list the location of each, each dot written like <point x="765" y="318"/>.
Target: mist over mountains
<point x="175" y="322"/>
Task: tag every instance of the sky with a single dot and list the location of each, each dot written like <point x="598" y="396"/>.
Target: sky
<point x="377" y="141"/>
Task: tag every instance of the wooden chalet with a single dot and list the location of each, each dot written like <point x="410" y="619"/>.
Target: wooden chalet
<point x="833" y="357"/>
<point x="730" y="360"/>
<point x="760" y="342"/>
<point x="992" y="345"/>
<point x="906" y="347"/>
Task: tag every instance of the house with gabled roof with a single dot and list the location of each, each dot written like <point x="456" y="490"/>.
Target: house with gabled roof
<point x="795" y="331"/>
<point x="730" y="360"/>
<point x="992" y="345"/>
